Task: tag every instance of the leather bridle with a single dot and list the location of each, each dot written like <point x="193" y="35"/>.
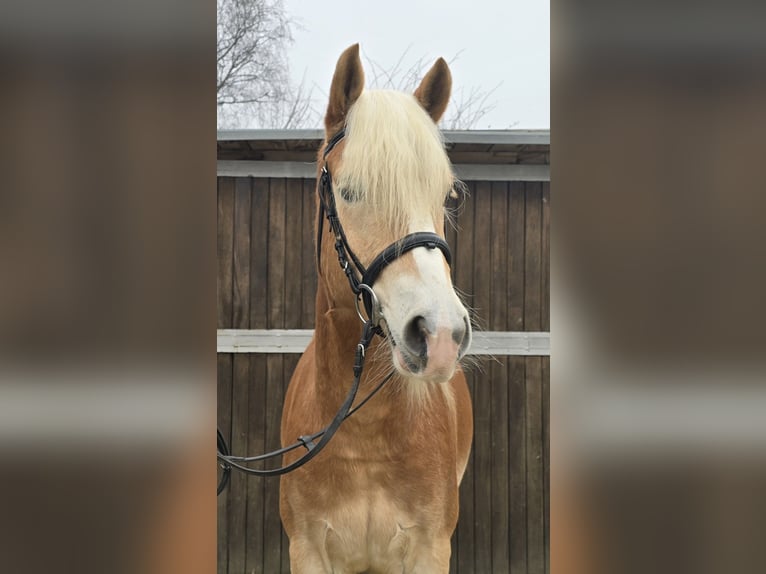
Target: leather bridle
<point x="361" y="280"/>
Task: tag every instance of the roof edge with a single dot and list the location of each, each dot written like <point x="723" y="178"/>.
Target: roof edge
<point x="530" y="137"/>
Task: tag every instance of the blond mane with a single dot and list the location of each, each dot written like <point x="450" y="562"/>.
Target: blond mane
<point x="394" y="159"/>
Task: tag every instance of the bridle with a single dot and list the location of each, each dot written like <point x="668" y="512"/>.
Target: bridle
<point x="360" y="279"/>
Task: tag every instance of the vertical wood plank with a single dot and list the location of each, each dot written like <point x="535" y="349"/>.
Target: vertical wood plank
<point x="224" y="368"/>
<point x="238" y="525"/>
<point x="546" y="326"/>
<point x="517" y="382"/>
<point x="274" y="367"/>
<point x="545" y="254"/>
<point x="516" y="250"/>
<point x="498" y="380"/>
<point x="241" y="366"/>
<point x="277" y="251"/>
<point x="255" y="484"/>
<point x="482" y="390"/>
<point x="535" y="482"/>
<point x="450" y="228"/>
<point x="259" y="261"/>
<point x="257" y="403"/>
<point x="546" y="379"/>
<point x="308" y="266"/>
<point x="463" y="272"/>
<point x="225" y="232"/>
<point x="517" y="444"/>
<point x="463" y="247"/>
<point x="533" y="257"/>
<point x="534" y="419"/>
<point x="293" y="257"/>
<point x="241" y="271"/>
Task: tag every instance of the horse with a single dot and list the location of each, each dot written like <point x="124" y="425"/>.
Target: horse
<point x="383" y="495"/>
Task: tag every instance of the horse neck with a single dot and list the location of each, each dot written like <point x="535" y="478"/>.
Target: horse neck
<point x="400" y="406"/>
<point x="338" y="330"/>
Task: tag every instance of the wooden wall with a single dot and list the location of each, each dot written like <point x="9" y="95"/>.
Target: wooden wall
<point x="266" y="279"/>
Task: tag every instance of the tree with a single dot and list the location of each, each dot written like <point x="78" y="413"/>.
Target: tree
<point x="253" y="81"/>
<point x="466" y="108"/>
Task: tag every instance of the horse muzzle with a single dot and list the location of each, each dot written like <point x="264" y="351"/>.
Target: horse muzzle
<point x="431" y="350"/>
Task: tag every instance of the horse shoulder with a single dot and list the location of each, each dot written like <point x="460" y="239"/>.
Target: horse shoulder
<point x="298" y="396"/>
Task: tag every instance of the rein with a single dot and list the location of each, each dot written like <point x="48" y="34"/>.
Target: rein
<point x="361" y="279"/>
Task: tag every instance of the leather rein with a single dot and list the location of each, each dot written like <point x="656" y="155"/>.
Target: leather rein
<point x="360" y="279"/>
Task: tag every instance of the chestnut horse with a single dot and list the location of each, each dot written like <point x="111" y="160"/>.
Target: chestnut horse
<point x="383" y="495"/>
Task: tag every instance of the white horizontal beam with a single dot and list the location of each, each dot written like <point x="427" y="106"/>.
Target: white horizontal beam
<point x="522" y="343"/>
<point x="502" y="172"/>
<point x="263" y="340"/>
<point x="251" y="168"/>
<point x="465" y="171"/>
<point x="495" y="343"/>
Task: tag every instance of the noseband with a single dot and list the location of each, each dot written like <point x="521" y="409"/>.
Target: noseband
<point x="361" y="279"/>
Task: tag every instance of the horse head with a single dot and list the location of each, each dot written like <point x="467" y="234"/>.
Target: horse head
<point x="390" y="178"/>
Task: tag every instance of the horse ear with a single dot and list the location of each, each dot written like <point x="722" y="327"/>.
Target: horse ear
<point x="347" y="85"/>
<point x="434" y="91"/>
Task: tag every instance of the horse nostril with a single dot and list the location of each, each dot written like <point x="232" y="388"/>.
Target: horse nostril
<point x="415" y="336"/>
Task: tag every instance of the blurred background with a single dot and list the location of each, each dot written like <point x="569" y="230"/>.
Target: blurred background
<point x="107" y="284"/>
<point x="657" y="394"/>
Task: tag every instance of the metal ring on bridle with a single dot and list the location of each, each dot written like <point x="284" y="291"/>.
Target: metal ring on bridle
<point x="374" y="319"/>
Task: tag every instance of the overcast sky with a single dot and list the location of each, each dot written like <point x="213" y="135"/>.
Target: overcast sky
<point x="502" y="42"/>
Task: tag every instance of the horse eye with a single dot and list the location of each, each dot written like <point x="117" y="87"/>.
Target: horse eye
<point x="348" y="195"/>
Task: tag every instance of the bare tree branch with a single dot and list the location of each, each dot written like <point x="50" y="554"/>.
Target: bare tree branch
<point x="253" y="82"/>
<point x="466" y="109"/>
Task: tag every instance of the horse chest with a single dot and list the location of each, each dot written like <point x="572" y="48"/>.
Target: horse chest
<point x="369" y="530"/>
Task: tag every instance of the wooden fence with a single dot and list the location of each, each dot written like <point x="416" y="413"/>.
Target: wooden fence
<point x="267" y="280"/>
